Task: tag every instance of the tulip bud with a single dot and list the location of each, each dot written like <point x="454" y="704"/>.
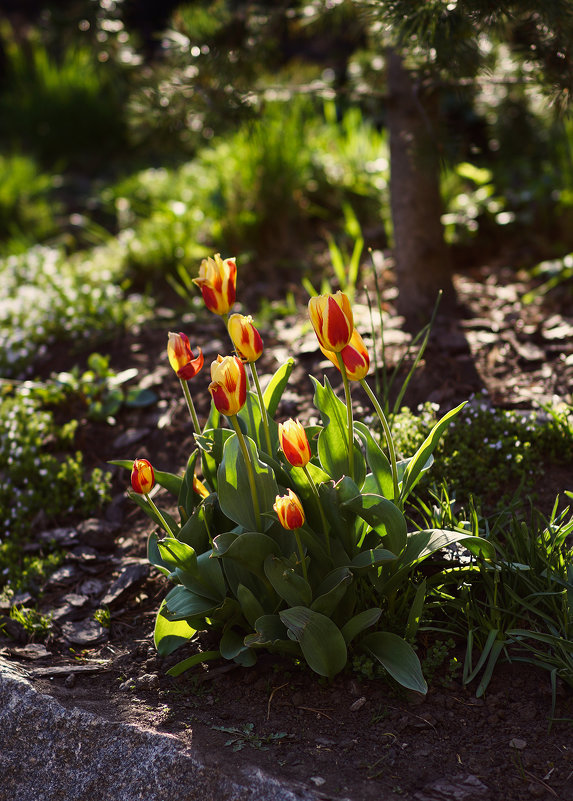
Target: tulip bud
<point x="142" y="476"/>
<point x="294" y="443"/>
<point x="217" y="279"/>
<point x="181" y="356"/>
<point x="289" y="510"/>
<point x="332" y="320"/>
<point x="355" y="357"/>
<point x="246" y="338"/>
<point x="228" y="385"/>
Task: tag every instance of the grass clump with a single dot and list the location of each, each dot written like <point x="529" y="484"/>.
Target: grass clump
<point x="43" y="481"/>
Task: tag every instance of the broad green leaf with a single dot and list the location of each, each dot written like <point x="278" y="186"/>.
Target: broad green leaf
<point x="331" y="591"/>
<point x="288" y="584"/>
<point x="234" y="487"/>
<point x="377" y="461"/>
<point x="191" y="661"/>
<point x="250" y="605"/>
<point x="333" y="439"/>
<point x="181" y="603"/>
<point x="188" y="498"/>
<point x="177" y="554"/>
<point x="276" y="386"/>
<point x="426" y="449"/>
<point x="211" y="442"/>
<point x="195" y="531"/>
<point x="384" y="516"/>
<point x="269" y="629"/>
<point x="205" y="579"/>
<point x="231" y="644"/>
<point x="249" y="549"/>
<point x="320" y="639"/>
<point x="136" y="398"/>
<point x="363" y="620"/>
<point x="251" y="422"/>
<point x="372" y="558"/>
<point x="154" y="555"/>
<point x="398" y="658"/>
<point x="170" y="634"/>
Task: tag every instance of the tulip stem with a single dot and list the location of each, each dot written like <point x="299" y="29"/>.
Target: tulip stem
<point x="342" y="368"/>
<point x="264" y="415"/>
<point x="190" y="406"/>
<point x="163" y="521"/>
<point x="314" y="489"/>
<point x="388" y="436"/>
<point x="235" y="423"/>
<point x="301" y="554"/>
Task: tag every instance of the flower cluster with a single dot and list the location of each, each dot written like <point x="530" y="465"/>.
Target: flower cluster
<point x="286" y="531"/>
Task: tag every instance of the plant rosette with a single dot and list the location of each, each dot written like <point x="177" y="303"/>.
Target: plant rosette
<point x="293" y="539"/>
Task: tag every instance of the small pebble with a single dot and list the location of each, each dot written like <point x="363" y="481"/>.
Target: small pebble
<point x="318" y="780"/>
<point x="518" y="744"/>
<point x="358" y="704"/>
<point x="70" y="680"/>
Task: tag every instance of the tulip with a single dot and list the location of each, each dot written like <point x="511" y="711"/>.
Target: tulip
<point x="181" y="356"/>
<point x="246" y="338"/>
<point x="294" y="443"/>
<point x="289" y="510"/>
<point x="217" y="279"/>
<point x="354" y="357"/>
<point x="228" y="385"/>
<point x="142" y="476"/>
<point x="332" y="320"/>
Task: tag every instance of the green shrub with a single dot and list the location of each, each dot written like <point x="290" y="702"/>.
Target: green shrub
<point x="26" y="208"/>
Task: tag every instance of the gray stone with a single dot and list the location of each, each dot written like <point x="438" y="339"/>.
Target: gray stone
<point x="52" y="753"/>
<point x="86" y="632"/>
<point x="98" y="534"/>
<point x="130" y="576"/>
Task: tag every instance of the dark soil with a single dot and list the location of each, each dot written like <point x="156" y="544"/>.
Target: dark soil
<point x="353" y="737"/>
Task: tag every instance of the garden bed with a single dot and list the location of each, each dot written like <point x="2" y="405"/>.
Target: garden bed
<point x="356" y="736"/>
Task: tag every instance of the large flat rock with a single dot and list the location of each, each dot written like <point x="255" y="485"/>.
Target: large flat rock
<point x="51" y="753"/>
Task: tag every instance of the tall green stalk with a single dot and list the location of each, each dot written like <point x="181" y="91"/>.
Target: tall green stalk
<point x="164" y="522"/>
<point x="190" y="405"/>
<point x="264" y="415"/>
<point x="350" y="421"/>
<point x="314" y="489"/>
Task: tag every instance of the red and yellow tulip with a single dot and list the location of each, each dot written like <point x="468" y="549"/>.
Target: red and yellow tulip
<point x="332" y="320"/>
<point x="354" y="356"/>
<point x="246" y="338"/>
<point x="217" y="281"/>
<point x="289" y="510"/>
<point x="294" y="443"/>
<point x="142" y="476"/>
<point x="228" y="385"/>
<point x="181" y="356"/>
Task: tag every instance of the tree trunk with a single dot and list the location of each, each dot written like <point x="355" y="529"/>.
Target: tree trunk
<point x="421" y="256"/>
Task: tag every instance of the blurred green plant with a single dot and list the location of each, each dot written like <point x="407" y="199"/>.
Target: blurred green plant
<point x="66" y="110"/>
<point x="36" y="625"/>
<point x="27" y="208"/>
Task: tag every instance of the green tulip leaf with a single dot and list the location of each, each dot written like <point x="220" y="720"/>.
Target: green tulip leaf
<point x="384" y="516"/>
<point x="418" y="461"/>
<point x="177" y="554"/>
<point x="288" y="584"/>
<point x="250" y="604"/>
<point x="150" y="512"/>
<point x="188" y="498"/>
<point x="372" y="558"/>
<point x="320" y="640"/>
<point x="363" y="620"/>
<point x="276" y="386"/>
<point x="170" y="634"/>
<point x="333" y="439"/>
<point x="181" y="603"/>
<point x="235" y="490"/>
<point x="249" y="549"/>
<point x="397" y="657"/>
<point x="197" y="659"/>
<point x="377" y="461"/>
<point x="331" y="591"/>
<point x="231" y="644"/>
